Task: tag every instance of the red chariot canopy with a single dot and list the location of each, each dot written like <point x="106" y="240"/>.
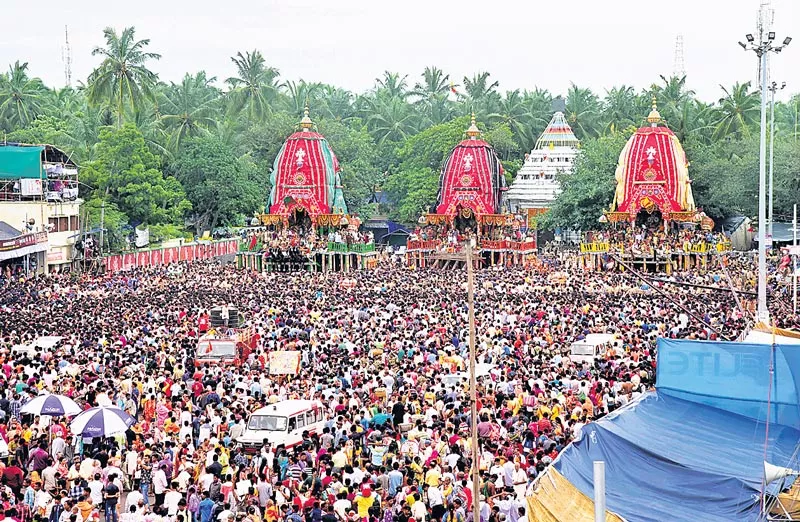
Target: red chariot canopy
<point x="472" y="178"/>
<point x="652" y="173"/>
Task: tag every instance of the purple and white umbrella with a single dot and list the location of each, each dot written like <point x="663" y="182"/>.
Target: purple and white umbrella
<point x="102" y="421"/>
<point x="52" y="405"/>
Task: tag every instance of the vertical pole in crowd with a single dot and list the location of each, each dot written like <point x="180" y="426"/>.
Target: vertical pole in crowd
<point x="599" y="491"/>
<point x="794" y="261"/>
<point x="763" y="311"/>
<point x="473" y="395"/>
<point x="102" y="224"/>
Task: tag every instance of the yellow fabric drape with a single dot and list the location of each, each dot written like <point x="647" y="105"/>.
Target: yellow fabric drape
<point x="685" y="197"/>
<point x="619" y="175"/>
<point x="555" y="499"/>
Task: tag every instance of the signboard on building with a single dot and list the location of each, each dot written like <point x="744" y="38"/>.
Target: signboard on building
<point x="22" y="241"/>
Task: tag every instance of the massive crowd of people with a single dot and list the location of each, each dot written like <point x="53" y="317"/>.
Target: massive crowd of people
<point x="379" y="353"/>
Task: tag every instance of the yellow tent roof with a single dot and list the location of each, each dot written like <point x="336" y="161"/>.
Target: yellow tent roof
<point x="555" y="499"/>
<point x="761" y="327"/>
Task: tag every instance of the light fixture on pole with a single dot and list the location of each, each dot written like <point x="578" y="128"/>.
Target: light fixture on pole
<point x="762" y="49"/>
<point x="772" y="88"/>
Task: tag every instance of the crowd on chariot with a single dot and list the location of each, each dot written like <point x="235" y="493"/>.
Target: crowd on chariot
<point x="647" y="242"/>
<point x="307" y="241"/>
<point x="379" y="354"/>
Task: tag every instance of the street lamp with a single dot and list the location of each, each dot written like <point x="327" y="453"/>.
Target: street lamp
<point x="772" y="89"/>
<point x="762" y="49"/>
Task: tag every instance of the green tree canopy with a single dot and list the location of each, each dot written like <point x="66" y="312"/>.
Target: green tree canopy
<point x="219" y="185"/>
<point x="589" y="190"/>
<point x="128" y="175"/>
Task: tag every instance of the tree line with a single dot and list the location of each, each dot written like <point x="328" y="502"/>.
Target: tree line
<point x="198" y="153"/>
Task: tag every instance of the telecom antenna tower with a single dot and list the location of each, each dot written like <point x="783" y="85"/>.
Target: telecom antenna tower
<point x="678" y="66"/>
<point x="66" y="57"/>
<point x="766" y="15"/>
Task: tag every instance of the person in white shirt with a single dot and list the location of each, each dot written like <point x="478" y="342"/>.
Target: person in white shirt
<point x="418" y="510"/>
<point x="96" y="490"/>
<point x="160" y="484"/>
<point x="520" y="481"/>
<point x="132" y="501"/>
<point x="205" y="480"/>
<point x="57" y="447"/>
<point x="171" y="499"/>
<point x="508" y="473"/>
<point x="183" y="479"/>
<point x="131" y="515"/>
<point x="435" y="501"/>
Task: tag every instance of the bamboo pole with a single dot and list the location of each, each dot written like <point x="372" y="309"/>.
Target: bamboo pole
<point x="473" y="394"/>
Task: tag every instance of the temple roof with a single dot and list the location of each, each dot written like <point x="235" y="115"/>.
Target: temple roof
<point x="558" y="134"/>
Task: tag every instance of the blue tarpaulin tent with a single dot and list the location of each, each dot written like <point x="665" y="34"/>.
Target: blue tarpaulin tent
<point x="694" y="449"/>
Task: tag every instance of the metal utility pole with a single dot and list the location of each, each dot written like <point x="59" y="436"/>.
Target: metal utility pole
<point x="794" y="260"/>
<point x="599" y="491"/>
<point x="772" y="88"/>
<point x="473" y="392"/>
<point x="763" y="311"/>
<point x="762" y="49"/>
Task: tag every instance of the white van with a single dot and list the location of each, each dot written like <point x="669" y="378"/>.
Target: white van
<point x="282" y="423"/>
<point x="588" y="348"/>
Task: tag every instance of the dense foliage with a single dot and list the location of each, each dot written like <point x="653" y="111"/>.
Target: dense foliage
<point x="198" y="153"/>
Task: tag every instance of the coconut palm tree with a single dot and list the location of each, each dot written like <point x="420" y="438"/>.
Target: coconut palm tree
<point x="390" y="120"/>
<point x="434" y="82"/>
<point x="692" y="119"/>
<point x="300" y="94"/>
<point x="148" y="120"/>
<point x="433" y="96"/>
<point x="188" y="109"/>
<point x="539" y="105"/>
<point x="738" y="112"/>
<point x="513" y="112"/>
<point x="619" y="109"/>
<point x="480" y="95"/>
<point x="336" y="104"/>
<point x="583" y="112"/>
<point x="122" y="81"/>
<point x="392" y="85"/>
<point x="64" y="103"/>
<point x="21" y="97"/>
<point x="254" y="87"/>
<point x="787" y="122"/>
<point x="436" y="109"/>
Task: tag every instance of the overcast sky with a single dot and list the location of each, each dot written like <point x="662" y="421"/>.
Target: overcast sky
<point x="348" y="43"/>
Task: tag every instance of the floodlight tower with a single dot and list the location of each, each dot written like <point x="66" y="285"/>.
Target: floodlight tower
<point x="762" y="48"/>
